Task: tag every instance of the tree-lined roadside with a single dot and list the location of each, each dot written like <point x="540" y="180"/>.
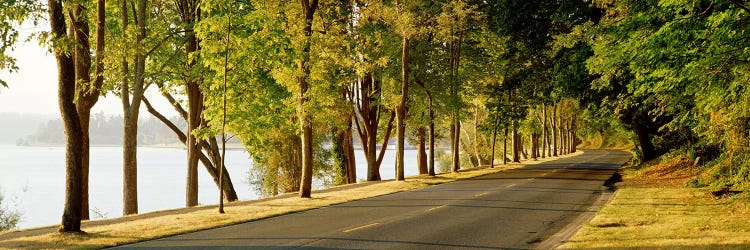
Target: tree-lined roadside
<point x="461" y="76"/>
<point x="159" y="224"/>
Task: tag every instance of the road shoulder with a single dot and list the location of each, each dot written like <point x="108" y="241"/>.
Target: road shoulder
<point x="653" y="208"/>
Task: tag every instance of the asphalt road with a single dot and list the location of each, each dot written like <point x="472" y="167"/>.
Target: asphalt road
<point x="512" y="209"/>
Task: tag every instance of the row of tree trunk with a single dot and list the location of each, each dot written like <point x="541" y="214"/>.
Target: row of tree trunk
<point x="78" y="94"/>
<point x="558" y="140"/>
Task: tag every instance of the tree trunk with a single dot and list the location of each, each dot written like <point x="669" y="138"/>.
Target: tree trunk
<point x="573" y="137"/>
<point x="189" y="12"/>
<point x="432" y="138"/>
<point x="421" y="155"/>
<point x="71" y="218"/>
<point x="367" y="95"/>
<point x="351" y="164"/>
<point x="85" y="100"/>
<point x="477" y="141"/>
<point x="522" y="147"/>
<point x="644" y="141"/>
<point x="545" y="145"/>
<point x="212" y="166"/>
<point x="130" y="167"/>
<point x="494" y="137"/>
<point x="337" y="149"/>
<point x="373" y="169"/>
<point x="401" y="110"/>
<point x="84" y="116"/>
<point x="343" y="154"/>
<point x="195" y="108"/>
<point x="516" y="139"/>
<point x="308" y="10"/>
<point x="554" y="130"/>
<point x="534" y="152"/>
<point x="563" y="137"/>
<point x="561" y="133"/>
<point x="456" y="133"/>
<point x="130" y="112"/>
<point x="455" y="59"/>
<point x="505" y="146"/>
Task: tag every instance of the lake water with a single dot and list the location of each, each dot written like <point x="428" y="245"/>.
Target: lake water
<point x="32" y="179"/>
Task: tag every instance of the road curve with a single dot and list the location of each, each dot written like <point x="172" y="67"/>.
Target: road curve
<point x="517" y="208"/>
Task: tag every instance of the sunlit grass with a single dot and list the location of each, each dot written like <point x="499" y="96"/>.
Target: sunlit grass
<point x="653" y="209"/>
<point x="140" y="229"/>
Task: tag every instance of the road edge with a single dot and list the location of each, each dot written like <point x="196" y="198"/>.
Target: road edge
<point x="606" y="193"/>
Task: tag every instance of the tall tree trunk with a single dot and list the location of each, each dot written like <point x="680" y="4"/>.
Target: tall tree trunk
<point x="370" y="113"/>
<point x="195" y="107"/>
<point x="564" y="132"/>
<point x="71" y="218"/>
<point x="494" y="137"/>
<point x="131" y="109"/>
<point x="570" y="136"/>
<point x="455" y="59"/>
<point x="456" y="133"/>
<point x="308" y="10"/>
<point x="84" y="116"/>
<point x="86" y="93"/>
<point x="563" y="136"/>
<point x="373" y="169"/>
<point x="534" y="151"/>
<point x="189" y="13"/>
<point x="505" y="145"/>
<point x="432" y="138"/>
<point x="343" y="150"/>
<point x="644" y="141"/>
<point x="516" y="147"/>
<point x="554" y="130"/>
<point x="401" y="110"/>
<point x="421" y="155"/>
<point x="478" y="145"/>
<point x="573" y="137"/>
<point x="212" y="166"/>
<point x="522" y="146"/>
<point x="351" y="164"/>
<point x="545" y="145"/>
<point x="337" y="148"/>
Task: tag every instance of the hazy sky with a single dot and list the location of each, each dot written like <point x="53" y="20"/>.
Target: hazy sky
<point x="33" y="89"/>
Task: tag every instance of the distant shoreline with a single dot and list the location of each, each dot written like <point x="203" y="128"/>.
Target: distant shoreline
<point x="174" y="146"/>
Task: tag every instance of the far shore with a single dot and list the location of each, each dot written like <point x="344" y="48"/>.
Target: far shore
<point x="179" y="146"/>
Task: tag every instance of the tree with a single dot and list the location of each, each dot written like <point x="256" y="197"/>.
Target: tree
<point x="131" y="105"/>
<point x="71" y="219"/>
<point x="371" y="39"/>
<point x="8" y="218"/>
<point x="87" y="92"/>
<point x="308" y="11"/>
<point x="12" y="15"/>
<point x="405" y="27"/>
<point x="190" y="14"/>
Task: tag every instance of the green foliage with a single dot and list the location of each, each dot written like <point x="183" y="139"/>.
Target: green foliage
<point x="681" y="66"/>
<point x="13" y="15"/>
<point x="8" y="218"/>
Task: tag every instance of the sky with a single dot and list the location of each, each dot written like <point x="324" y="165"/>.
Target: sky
<point x="33" y="89"/>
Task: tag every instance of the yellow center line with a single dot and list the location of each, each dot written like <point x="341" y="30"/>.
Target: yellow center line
<point x="477" y="195"/>
<point x="435" y="208"/>
<point x="512" y="185"/>
<point x="358" y="228"/>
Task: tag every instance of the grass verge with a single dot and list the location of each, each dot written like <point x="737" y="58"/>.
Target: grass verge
<point x="148" y="226"/>
<point x="653" y="209"/>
